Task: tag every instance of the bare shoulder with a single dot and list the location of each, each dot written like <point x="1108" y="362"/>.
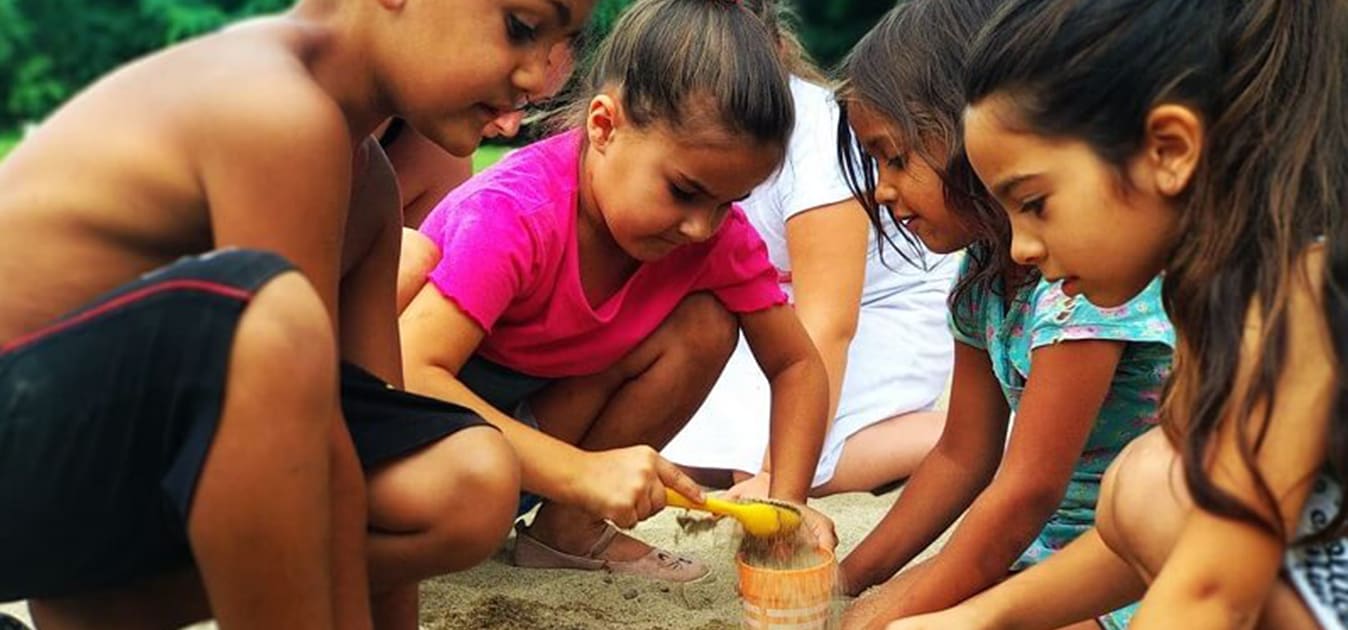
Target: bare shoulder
<point x="266" y="98"/>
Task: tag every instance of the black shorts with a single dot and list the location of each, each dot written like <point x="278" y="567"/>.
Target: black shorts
<point x="106" y="416"/>
<point x="504" y="388"/>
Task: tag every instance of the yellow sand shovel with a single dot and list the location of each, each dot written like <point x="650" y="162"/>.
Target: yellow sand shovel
<point x="761" y="518"/>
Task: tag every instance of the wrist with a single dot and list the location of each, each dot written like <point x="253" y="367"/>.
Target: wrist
<point x="571" y="475"/>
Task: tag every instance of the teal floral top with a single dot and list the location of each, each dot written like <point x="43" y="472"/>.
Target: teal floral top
<point x="1042" y="315"/>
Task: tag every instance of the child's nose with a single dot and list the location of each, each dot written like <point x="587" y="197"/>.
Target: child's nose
<point x="696" y="228"/>
<point x="509" y="124"/>
<point x="531" y="75"/>
<point x="1026" y="249"/>
<point x="885" y="195"/>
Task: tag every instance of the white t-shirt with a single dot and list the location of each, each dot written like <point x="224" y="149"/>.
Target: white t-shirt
<point x="901" y="355"/>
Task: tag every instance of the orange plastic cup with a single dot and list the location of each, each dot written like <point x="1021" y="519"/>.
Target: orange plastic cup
<point x="799" y="599"/>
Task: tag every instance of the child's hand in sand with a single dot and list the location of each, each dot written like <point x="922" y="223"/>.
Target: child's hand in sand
<point x="627" y="485"/>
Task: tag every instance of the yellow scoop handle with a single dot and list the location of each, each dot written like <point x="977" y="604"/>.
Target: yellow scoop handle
<point x="759" y="518"/>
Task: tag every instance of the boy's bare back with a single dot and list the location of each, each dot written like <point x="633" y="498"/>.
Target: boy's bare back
<point x="226" y="140"/>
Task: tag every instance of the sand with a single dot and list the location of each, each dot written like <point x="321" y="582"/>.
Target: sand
<point x="497" y="595"/>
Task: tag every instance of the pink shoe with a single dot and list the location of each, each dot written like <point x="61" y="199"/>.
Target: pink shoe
<point x="658" y="564"/>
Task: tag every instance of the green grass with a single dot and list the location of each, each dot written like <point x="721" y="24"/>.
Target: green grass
<point x="7" y="141"/>
<point x="486" y="155"/>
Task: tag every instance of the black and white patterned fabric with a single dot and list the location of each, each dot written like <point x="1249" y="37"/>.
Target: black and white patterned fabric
<point x="1320" y="571"/>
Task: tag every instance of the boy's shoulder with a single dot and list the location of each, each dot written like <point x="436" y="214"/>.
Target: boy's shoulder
<point x="253" y="83"/>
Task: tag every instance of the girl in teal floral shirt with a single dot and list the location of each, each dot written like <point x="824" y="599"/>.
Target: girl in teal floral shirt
<point x="1081" y="381"/>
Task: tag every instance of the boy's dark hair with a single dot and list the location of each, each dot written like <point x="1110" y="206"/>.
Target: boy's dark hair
<point x="1267" y="78"/>
<point x="909" y="69"/>
<point x="683" y="63"/>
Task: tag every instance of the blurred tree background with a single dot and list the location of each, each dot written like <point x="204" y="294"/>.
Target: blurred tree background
<point x="50" y="49"/>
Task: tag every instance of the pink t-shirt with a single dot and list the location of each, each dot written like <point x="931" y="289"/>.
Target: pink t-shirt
<point x="508" y="238"/>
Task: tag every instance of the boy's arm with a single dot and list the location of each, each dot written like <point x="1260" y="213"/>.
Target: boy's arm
<point x="1203" y="584"/>
<point x="1067" y="386"/>
<point x="369" y="319"/>
<point x="605" y="483"/>
<point x="957" y="469"/>
<point x="278" y="178"/>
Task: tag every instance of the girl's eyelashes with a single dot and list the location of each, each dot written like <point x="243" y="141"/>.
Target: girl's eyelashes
<point x="681" y="195"/>
<point x="1034" y="205"/>
<point x="520" y="31"/>
<point x="898" y="162"/>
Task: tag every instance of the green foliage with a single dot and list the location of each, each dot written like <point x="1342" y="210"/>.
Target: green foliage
<point x="7" y="142"/>
<point x="49" y="49"/>
<point x="829" y="29"/>
<point x="488" y="154"/>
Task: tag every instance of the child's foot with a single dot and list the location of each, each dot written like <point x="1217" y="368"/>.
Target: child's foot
<point x="610" y="550"/>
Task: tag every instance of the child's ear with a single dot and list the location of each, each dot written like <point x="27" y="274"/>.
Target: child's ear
<point x="1172" y="147"/>
<point x="601" y="120"/>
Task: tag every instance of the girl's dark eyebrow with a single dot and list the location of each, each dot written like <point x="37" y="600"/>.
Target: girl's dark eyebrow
<point x="1003" y="188"/>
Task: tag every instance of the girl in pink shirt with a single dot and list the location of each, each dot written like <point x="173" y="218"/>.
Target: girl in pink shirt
<point x="591" y="285"/>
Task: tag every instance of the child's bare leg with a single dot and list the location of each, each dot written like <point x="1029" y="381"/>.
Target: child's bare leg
<point x="266" y="559"/>
<point x="276" y="431"/>
<point x="645" y="399"/>
<point x="445" y="508"/>
<point x="1142" y="509"/>
<point x="884" y="452"/>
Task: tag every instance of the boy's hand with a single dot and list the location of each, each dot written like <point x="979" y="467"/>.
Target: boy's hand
<point x="627" y="485"/>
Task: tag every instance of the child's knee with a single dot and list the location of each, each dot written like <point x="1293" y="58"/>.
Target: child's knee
<point x="287" y="323"/>
<point x="705" y="328"/>
<point x="483" y="491"/>
<point x="1141" y="497"/>
<point x="284" y="337"/>
<point x="462" y="498"/>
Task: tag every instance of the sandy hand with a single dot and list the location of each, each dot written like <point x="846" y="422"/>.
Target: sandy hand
<point x="820" y="526"/>
<point x="627" y="485"/>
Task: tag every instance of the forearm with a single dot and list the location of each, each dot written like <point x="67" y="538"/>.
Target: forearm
<point x="1017" y="602"/>
<point x="548" y="465"/>
<point x="1000" y="525"/>
<point x="833" y="351"/>
<point x="834" y="356"/>
<point x="798" y="424"/>
<point x="943" y="486"/>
